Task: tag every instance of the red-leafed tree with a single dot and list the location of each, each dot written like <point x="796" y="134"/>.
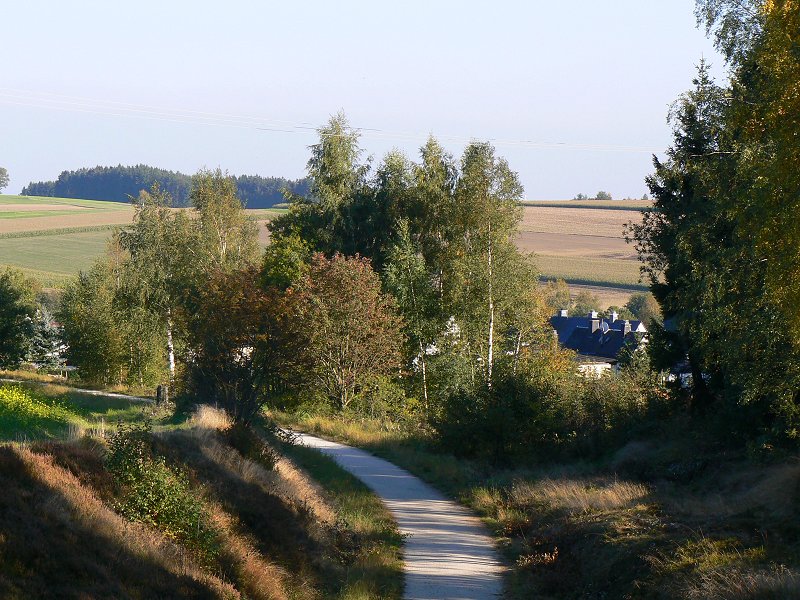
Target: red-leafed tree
<point x="353" y="329"/>
<point x="245" y="347"/>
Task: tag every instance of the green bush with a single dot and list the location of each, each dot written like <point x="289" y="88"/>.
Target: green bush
<point x="156" y="495"/>
<point x="524" y="417"/>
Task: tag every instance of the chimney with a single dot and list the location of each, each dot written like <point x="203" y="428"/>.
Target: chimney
<point x="614" y="316"/>
<point x="592" y="314"/>
<point x="626" y="327"/>
<point x="563" y="313"/>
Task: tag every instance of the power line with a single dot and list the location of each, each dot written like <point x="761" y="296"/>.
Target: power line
<point x="112" y="108"/>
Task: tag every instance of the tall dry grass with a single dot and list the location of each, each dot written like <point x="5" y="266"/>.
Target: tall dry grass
<point x="577" y="495"/>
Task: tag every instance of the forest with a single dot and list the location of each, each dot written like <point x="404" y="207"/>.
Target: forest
<point x="120" y="183"/>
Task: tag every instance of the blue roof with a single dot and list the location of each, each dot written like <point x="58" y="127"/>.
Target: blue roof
<point x="606" y="341"/>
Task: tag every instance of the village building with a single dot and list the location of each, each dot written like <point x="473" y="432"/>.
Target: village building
<point x="598" y="341"/>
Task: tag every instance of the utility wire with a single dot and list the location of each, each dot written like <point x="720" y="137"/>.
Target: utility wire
<point x="53" y="101"/>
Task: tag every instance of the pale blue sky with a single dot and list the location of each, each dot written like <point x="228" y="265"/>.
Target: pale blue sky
<point x="86" y="83"/>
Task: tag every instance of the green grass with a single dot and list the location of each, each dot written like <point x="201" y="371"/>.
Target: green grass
<point x="34" y="200"/>
<point x="605" y="272"/>
<point x="636" y="205"/>
<point x="33" y="411"/>
<point x="61" y="254"/>
<point x="18" y="214"/>
<point x="62" y="231"/>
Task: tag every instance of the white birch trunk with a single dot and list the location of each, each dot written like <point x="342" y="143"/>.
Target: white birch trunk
<point x="170" y="348"/>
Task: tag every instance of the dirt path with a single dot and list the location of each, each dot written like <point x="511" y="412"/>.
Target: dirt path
<point x="448" y="553"/>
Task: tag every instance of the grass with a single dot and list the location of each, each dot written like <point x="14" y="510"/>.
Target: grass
<point x="61" y="254"/>
<point x="615" y="273"/>
<point x="51" y="245"/>
<point x="72" y="526"/>
<point x="47" y="200"/>
<point x="666" y="518"/>
<point x="32" y="411"/>
<point x="633" y="205"/>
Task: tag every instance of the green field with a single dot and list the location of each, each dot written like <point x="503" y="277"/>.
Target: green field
<point x="52" y="239"/>
<point x="60" y="254"/>
<point x="45" y="200"/>
<point x="635" y="205"/>
<point x="591" y="271"/>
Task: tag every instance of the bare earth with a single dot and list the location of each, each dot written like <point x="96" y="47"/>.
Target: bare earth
<point x="448" y="553"/>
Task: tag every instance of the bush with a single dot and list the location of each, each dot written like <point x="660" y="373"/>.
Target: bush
<point x="525" y="417"/>
<point x="154" y="494"/>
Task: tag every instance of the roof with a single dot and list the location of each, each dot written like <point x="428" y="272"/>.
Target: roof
<point x="606" y="341"/>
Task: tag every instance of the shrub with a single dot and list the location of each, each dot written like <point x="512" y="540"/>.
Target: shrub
<point x="154" y="494"/>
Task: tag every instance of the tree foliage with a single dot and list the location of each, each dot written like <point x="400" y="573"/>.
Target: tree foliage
<point x="721" y="246"/>
<point x="121" y="183"/>
<point x="16" y="313"/>
<point x="353" y="329"/>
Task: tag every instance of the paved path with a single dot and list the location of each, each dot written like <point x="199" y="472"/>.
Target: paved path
<point x="80" y="390"/>
<point x="448" y="553"/>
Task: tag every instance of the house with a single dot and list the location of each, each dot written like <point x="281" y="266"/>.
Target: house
<point x="597" y="341"/>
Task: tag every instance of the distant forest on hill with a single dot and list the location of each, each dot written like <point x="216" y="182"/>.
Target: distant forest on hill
<point x="118" y="183"/>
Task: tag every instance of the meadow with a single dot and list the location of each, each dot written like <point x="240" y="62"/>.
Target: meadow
<point x="51" y="239"/>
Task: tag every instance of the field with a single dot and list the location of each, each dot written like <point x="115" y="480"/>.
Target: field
<point x="582" y="242"/>
<point x="52" y="239"/>
<point x="583" y="245"/>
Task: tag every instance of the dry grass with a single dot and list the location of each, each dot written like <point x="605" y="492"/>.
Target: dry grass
<point x="779" y="583"/>
<point x="208" y="417"/>
<point x="577" y="495"/>
<point x="258" y="578"/>
<point x="82" y="530"/>
<point x="577" y="221"/>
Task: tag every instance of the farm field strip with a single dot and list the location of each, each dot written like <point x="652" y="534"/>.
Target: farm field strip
<point x="64" y="254"/>
<point x="591" y="271"/>
<point x="592" y="204"/>
<point x="74" y="202"/>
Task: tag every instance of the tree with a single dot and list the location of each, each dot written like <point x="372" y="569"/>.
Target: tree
<point x="246" y="347"/>
<point x="326" y="217"/>
<point x="408" y="280"/>
<point x="557" y="295"/>
<point x="46" y="346"/>
<point x="162" y="251"/>
<point x="3" y="178"/>
<point x="353" y="329"/>
<point x="602" y="196"/>
<point x="16" y="313"/>
<point x="585" y="302"/>
<point x="581" y="197"/>
<point x="644" y="307"/>
<point x="486" y="212"/>
<point x="228" y="238"/>
<point x="94" y="333"/>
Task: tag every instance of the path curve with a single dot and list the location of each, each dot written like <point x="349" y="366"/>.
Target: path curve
<point x="448" y="554"/>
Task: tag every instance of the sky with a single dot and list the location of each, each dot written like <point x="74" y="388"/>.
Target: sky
<point x="574" y="94"/>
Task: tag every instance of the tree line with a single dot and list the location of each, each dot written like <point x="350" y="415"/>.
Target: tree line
<point x="720" y="250"/>
<point x="120" y="183"/>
